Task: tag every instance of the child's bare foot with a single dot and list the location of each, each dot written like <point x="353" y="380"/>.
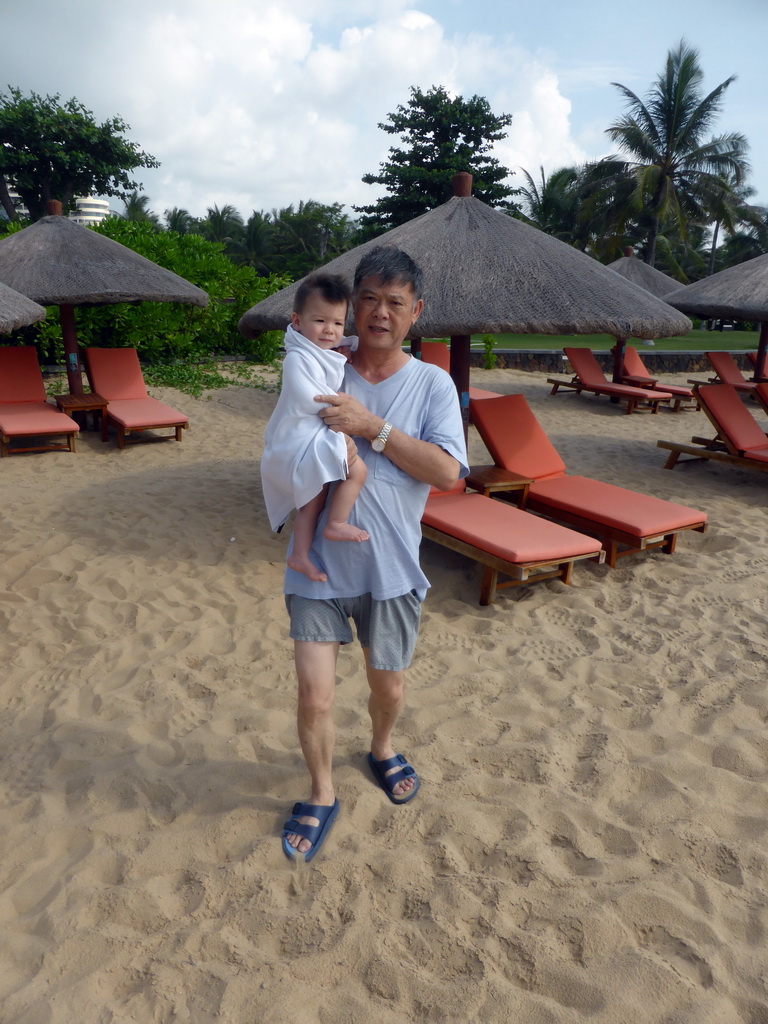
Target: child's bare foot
<point x="300" y="563"/>
<point x="343" y="531"/>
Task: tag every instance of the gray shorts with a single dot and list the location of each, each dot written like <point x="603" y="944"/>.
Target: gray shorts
<point x="387" y="628"/>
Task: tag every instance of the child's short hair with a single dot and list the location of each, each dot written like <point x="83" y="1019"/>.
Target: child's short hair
<point x="332" y="287"/>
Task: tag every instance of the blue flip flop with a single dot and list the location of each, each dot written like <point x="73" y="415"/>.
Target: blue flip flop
<point x="316" y="834"/>
<point x="388" y="782"/>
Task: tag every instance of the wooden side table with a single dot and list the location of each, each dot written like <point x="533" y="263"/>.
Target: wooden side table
<point x="85" y="404"/>
<point x="490" y="479"/>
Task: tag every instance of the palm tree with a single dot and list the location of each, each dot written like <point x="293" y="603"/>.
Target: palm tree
<point x="223" y="225"/>
<point x="677" y="172"/>
<point x="178" y="220"/>
<point x="137" y="209"/>
<point x="553" y="205"/>
<point x="255" y="248"/>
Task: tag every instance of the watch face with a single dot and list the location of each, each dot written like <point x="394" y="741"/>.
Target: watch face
<point x="377" y="444"/>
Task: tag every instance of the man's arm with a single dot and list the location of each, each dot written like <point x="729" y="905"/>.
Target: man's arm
<point x="420" y="459"/>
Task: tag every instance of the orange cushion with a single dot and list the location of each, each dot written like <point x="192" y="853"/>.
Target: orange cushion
<point x="20" y="376"/>
<point x="585" y="366"/>
<point x="734" y="421"/>
<point x="19" y="419"/>
<point x="144" y="412"/>
<point x="504" y="530"/>
<point x="115" y="373"/>
<point x="476" y="394"/>
<point x="633" y="364"/>
<point x="514" y="438"/>
<point x="638" y="514"/>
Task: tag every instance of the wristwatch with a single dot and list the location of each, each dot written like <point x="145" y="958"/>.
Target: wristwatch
<point x="379" y="443"/>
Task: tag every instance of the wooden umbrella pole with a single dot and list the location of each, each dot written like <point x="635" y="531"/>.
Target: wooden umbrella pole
<point x="460" y="373"/>
<point x="71" y="349"/>
<point x="618" y="359"/>
<point x="762" y="351"/>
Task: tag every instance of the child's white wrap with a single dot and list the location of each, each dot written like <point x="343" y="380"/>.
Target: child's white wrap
<point x="301" y="454"/>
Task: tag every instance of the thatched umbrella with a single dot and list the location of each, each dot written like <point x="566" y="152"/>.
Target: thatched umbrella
<point x="484" y="272"/>
<point x="738" y="293"/>
<point x="59" y="263"/>
<point x="16" y="310"/>
<point x="643" y="275"/>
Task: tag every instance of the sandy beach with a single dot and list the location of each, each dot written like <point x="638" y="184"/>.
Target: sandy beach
<point x="590" y="842"/>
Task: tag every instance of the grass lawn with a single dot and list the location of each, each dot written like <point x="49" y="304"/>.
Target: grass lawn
<point x="696" y="341"/>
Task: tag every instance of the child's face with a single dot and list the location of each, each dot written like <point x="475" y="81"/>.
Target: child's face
<point x="321" y="322"/>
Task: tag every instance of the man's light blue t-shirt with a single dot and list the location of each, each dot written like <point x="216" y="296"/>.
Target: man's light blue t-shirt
<point x="420" y="400"/>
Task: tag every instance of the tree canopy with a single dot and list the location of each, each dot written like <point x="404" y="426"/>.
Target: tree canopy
<point x="54" y="150"/>
<point x="440" y="137"/>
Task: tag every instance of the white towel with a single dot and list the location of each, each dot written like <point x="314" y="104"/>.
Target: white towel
<point x="301" y="454"/>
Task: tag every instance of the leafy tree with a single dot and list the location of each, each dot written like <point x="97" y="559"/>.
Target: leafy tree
<point x="53" y="150"/>
<point x="678" y="174"/>
<point x="307" y="236"/>
<point x="441" y="136"/>
<point x="255" y="248"/>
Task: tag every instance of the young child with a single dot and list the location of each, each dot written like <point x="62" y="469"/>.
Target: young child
<point x="301" y="455"/>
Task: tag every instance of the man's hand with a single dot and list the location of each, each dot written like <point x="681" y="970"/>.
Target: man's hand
<point x="346" y="415"/>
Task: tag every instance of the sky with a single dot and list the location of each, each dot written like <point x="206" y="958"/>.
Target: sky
<point x="261" y="104"/>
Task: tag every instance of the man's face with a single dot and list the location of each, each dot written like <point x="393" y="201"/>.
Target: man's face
<point x="320" y="321"/>
<point x="384" y="313"/>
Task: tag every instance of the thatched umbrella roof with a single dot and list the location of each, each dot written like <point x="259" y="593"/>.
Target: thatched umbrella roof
<point x="57" y="262"/>
<point x="738" y="293"/>
<point x="16" y="310"/>
<point x="487" y="272"/>
<point x="643" y="275"/>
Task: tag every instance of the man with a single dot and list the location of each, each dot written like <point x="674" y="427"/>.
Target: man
<point x="405" y="418"/>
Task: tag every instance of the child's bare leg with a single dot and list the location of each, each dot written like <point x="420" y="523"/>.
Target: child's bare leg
<point x="303" y="532"/>
<point x="344" y="497"/>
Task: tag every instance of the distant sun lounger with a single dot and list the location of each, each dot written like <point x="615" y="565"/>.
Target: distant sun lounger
<point x="636" y="375"/>
<point x="625" y="521"/>
<point x="589" y="377"/>
<point x="504" y="540"/>
<point x="739" y="439"/>
<point x="726" y="372"/>
<point x="25" y="413"/>
<point x="115" y="374"/>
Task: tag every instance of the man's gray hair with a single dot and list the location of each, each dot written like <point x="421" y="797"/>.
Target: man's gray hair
<point x="390" y="264"/>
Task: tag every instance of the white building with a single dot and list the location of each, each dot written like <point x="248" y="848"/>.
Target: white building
<point x="90" y="211"/>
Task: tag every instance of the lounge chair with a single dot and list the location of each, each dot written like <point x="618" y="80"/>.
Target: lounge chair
<point x="503" y="539"/>
<point x="727" y="372"/>
<point x="588" y="376"/>
<point x="115" y="374"/>
<point x="636" y="375"/>
<point x="739" y="438"/>
<point x="439" y="354"/>
<point x="625" y="521"/>
<point x="25" y="412"/>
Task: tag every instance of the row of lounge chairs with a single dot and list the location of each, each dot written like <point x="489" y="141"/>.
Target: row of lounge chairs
<point x="30" y="423"/>
<point x="604" y="521"/>
<point x="636" y="387"/>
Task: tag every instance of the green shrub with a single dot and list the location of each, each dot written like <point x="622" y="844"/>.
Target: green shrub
<point x="489" y="355"/>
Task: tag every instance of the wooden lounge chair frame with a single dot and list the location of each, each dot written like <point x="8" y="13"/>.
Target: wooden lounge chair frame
<point x="513" y="522"/>
<point x="22" y="394"/>
<point x="588" y="376"/>
<point x="739" y="439"/>
<point x="116" y="375"/>
<point x="590" y="506"/>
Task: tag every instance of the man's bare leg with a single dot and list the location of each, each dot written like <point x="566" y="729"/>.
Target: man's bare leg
<point x="316" y="674"/>
<point x="303" y="534"/>
<point x="384" y="706"/>
<point x="344" y="497"/>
